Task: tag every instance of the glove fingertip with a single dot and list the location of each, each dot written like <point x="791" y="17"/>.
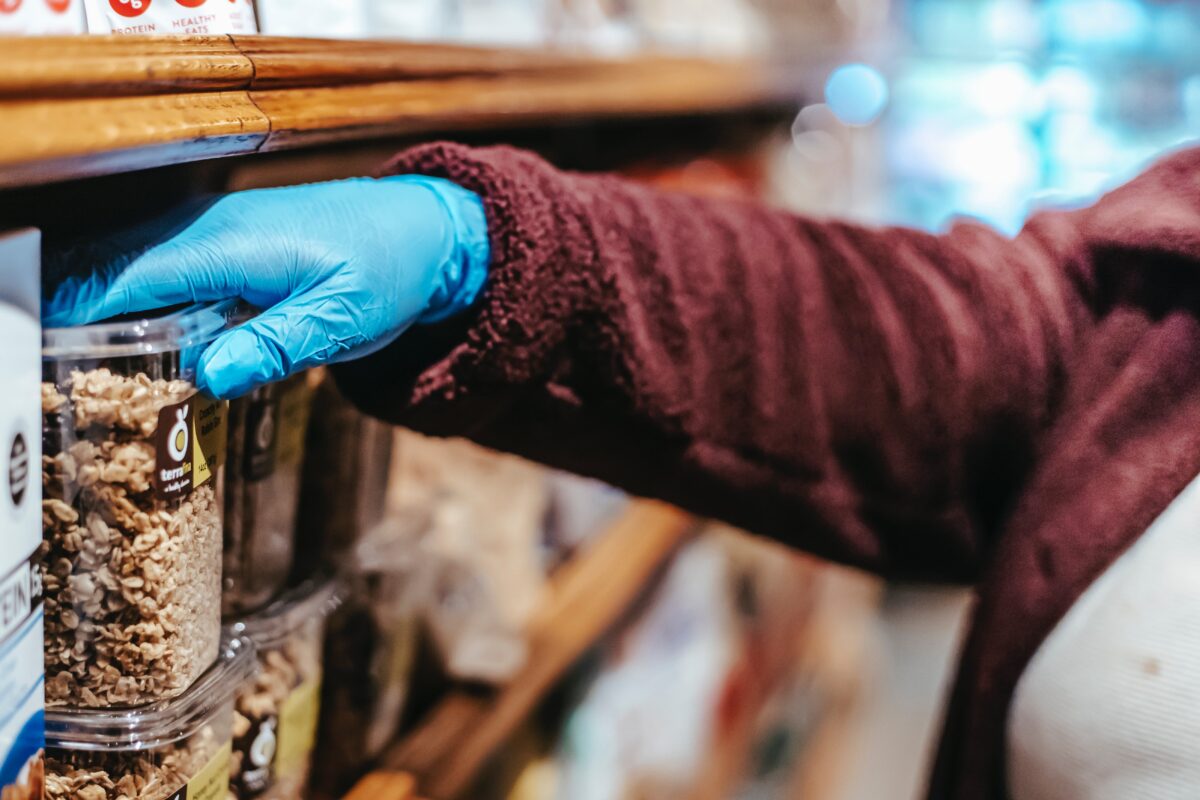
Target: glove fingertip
<point x="235" y="364"/>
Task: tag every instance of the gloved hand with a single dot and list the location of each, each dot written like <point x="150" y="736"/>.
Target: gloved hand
<point x="341" y="269"/>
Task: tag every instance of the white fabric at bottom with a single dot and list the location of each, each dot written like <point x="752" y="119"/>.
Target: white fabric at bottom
<point x="1109" y="707"/>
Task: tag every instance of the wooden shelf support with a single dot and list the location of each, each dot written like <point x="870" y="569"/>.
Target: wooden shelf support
<point x="587" y="598"/>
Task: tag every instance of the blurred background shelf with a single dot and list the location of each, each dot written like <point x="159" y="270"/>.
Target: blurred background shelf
<point x="587" y="597"/>
<point x="89" y="106"/>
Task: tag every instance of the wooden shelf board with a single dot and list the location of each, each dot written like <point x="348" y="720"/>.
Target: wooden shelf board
<point x="111" y="66"/>
<point x="83" y="106"/>
<point x="43" y="141"/>
<point x="381" y="784"/>
<point x="282" y="62"/>
<point x="587" y="598"/>
<point x="304" y="117"/>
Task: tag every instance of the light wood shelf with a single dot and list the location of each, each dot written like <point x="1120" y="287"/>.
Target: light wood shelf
<point x="444" y="755"/>
<point x="75" y="107"/>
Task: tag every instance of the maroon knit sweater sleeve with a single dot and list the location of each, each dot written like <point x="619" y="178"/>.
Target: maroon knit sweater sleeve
<point x="873" y="396"/>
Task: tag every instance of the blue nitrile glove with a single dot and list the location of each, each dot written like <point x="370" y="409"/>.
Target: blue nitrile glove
<point x="341" y="269"/>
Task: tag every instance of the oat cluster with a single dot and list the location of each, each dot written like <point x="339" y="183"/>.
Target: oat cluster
<point x="131" y="774"/>
<point x="132" y="582"/>
<point x="30" y="782"/>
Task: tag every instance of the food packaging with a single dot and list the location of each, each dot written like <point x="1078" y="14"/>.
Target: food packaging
<point x="131" y="523"/>
<point x="275" y="724"/>
<point x="483" y="567"/>
<point x="370" y="645"/>
<point x="504" y="23"/>
<point x="412" y="20"/>
<point x="20" y="584"/>
<point x="175" y="749"/>
<point x="580" y="509"/>
<point x="41" y="17"/>
<point x="262" y="491"/>
<point x="601" y="26"/>
<point x="344" y="480"/>
<point x="184" y="17"/>
<point x="331" y="19"/>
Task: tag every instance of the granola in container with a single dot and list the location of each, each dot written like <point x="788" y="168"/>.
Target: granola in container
<point x="175" y="748"/>
<point x="262" y="491"/>
<point x="275" y="722"/>
<point x="131" y="518"/>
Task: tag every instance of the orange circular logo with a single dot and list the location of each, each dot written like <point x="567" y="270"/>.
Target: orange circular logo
<point x="190" y="3"/>
<point x="130" y="8"/>
<point x="9" y="6"/>
<point x="58" y="6"/>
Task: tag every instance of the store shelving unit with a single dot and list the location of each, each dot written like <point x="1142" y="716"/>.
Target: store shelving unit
<point x="77" y="108"/>
<point x="88" y="106"/>
<point x="587" y="597"/>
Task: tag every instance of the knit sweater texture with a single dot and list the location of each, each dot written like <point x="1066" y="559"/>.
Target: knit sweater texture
<point x="966" y="407"/>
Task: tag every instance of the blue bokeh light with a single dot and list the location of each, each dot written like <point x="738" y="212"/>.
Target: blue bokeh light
<point x="856" y="93"/>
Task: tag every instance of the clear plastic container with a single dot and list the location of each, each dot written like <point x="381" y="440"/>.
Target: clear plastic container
<point x="275" y="724"/>
<point x="345" y="479"/>
<point x="174" y="748"/>
<point x="131" y="521"/>
<point x="370" y="649"/>
<point x="262" y="491"/>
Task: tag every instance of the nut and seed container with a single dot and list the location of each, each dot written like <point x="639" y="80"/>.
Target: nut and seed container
<point x="275" y="722"/>
<point x="176" y="748"/>
<point x="131" y="520"/>
<point x="262" y="491"/>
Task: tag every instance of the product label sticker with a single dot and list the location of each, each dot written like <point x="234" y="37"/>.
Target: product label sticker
<point x="258" y="747"/>
<point x="22" y="728"/>
<point x="20" y="597"/>
<point x="41" y="17"/>
<point x="210" y="783"/>
<point x="295" y="403"/>
<point x="189" y="445"/>
<point x="171" y="16"/>
<point x="262" y="433"/>
<point x="278" y="746"/>
<point x="298" y="728"/>
<point x="276" y="421"/>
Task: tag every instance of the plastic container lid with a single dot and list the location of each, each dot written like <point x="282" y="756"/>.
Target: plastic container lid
<point x="161" y="723"/>
<point x="271" y="627"/>
<point x="191" y="326"/>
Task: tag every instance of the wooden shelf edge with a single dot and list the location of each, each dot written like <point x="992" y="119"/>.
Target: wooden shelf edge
<point x="115" y="66"/>
<point x="95" y="105"/>
<point x="384" y="784"/>
<point x="588" y="597"/>
<point x="282" y="62"/>
<point x="46" y="141"/>
<point x="308" y="117"/>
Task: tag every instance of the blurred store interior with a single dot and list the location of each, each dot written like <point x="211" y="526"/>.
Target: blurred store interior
<point x="718" y="665"/>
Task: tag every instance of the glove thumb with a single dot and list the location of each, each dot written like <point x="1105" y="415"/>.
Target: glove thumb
<point x="317" y="327"/>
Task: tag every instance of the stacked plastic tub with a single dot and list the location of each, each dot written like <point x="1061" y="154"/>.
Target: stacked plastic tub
<point x="278" y="605"/>
<point x="140" y="682"/>
<point x="183" y="642"/>
<point x="262" y="492"/>
<point x="275" y="721"/>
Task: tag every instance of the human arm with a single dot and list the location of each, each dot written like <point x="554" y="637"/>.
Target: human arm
<point x="876" y="397"/>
